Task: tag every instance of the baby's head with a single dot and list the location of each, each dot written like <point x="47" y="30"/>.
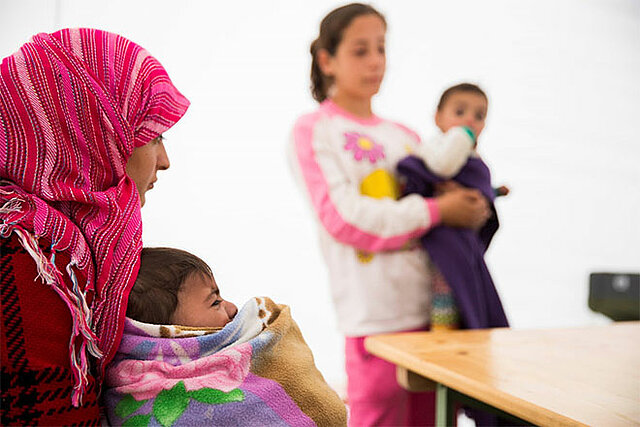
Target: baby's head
<point x="462" y="105"/>
<point x="176" y="287"/>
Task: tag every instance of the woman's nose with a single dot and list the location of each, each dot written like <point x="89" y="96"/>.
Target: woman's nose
<point x="163" y="158"/>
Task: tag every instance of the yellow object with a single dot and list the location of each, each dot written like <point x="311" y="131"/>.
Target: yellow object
<point x="379" y="184"/>
<point x="365" y="143"/>
<point x="364" y="257"/>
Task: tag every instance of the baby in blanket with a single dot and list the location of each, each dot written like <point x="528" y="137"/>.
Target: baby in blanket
<point x="188" y="357"/>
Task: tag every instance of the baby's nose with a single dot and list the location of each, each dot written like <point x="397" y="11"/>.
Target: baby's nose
<point x="231" y="309"/>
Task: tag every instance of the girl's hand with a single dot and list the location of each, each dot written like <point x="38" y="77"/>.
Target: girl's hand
<point x="446" y="186"/>
<point x="463" y="207"/>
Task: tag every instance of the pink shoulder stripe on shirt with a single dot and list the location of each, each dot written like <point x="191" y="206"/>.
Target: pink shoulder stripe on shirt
<point x="409" y="131"/>
<point x="318" y="188"/>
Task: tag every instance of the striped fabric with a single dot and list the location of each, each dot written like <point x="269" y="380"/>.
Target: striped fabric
<point x="444" y="313"/>
<point x="73" y="105"/>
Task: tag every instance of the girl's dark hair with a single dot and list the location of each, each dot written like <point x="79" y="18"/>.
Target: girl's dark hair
<point x="331" y="29"/>
<point x="462" y="87"/>
<point x="154" y="296"/>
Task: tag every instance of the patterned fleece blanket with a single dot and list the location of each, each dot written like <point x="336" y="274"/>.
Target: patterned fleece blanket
<point x="257" y="370"/>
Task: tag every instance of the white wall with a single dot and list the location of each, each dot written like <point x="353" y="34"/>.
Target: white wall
<point x="563" y="133"/>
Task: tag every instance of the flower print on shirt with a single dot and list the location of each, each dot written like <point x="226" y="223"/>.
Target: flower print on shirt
<point x="363" y="147"/>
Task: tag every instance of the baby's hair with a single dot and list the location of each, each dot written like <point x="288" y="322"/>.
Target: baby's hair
<point x="462" y="87"/>
<point x="154" y="296"/>
<point x="331" y="29"/>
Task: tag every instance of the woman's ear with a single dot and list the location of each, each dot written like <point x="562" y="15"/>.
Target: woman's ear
<point x="325" y="62"/>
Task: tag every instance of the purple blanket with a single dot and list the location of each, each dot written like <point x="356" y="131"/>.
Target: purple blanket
<point x="457" y="252"/>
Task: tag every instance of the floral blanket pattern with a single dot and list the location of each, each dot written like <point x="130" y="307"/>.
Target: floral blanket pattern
<point x="257" y="370"/>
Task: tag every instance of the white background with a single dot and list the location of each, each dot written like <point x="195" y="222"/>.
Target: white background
<point x="563" y="131"/>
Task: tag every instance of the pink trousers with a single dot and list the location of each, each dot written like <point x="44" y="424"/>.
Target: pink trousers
<point x="374" y="396"/>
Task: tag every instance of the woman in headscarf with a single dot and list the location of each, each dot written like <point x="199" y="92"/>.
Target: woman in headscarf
<point x="82" y="114"/>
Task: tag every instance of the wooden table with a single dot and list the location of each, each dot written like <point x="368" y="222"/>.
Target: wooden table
<point x="580" y="376"/>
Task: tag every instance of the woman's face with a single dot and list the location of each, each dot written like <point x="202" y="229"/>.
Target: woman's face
<point x="144" y="163"/>
<point x="359" y="63"/>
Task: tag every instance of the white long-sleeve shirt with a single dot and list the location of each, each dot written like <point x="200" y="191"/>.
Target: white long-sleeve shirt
<point x="446" y="153"/>
<point x="379" y="280"/>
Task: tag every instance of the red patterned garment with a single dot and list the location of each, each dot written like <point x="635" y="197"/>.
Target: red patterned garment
<point x="36" y="378"/>
<point x="73" y="106"/>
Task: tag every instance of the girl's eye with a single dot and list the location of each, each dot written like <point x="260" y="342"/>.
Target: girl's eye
<point x="479" y="116"/>
<point x="459" y="112"/>
<point x="361" y="52"/>
<point x="216" y="302"/>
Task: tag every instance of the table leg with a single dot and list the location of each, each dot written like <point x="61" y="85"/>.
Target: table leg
<point x="462" y="399"/>
<point x="446" y="399"/>
<point x="444" y="407"/>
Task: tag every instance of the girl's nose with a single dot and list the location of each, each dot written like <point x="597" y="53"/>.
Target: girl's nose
<point x="376" y="60"/>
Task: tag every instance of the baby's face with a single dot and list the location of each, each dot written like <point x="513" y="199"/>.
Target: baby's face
<point x="463" y="109"/>
<point x="200" y="304"/>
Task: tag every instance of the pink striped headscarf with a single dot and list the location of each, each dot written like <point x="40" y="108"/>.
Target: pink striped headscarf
<point x="73" y="105"/>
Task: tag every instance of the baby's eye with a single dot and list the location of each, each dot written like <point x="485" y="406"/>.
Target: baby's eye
<point x="479" y="116"/>
<point x="216" y="302"/>
<point x="380" y="49"/>
<point x="460" y="112"/>
<point x="360" y="52"/>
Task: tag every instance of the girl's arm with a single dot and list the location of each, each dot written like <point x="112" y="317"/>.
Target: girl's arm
<point x="446" y="153"/>
<point x="360" y="221"/>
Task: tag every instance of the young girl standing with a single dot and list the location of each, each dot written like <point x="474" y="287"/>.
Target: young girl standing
<point x="344" y="156"/>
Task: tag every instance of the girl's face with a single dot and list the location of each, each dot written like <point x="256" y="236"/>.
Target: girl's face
<point x="359" y="62"/>
<point x="144" y="163"/>
<point x="200" y="304"/>
<point x="463" y="109"/>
